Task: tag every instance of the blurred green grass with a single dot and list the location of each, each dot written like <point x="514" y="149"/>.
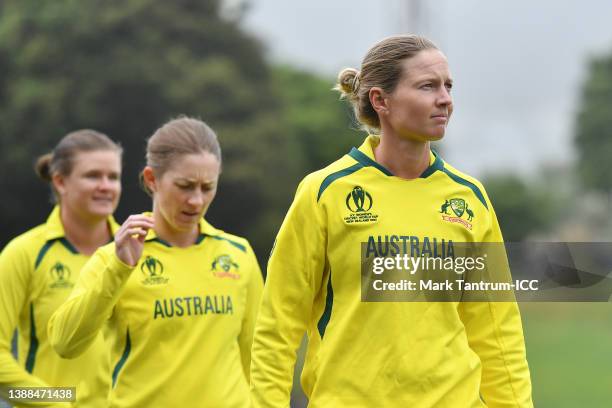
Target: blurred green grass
<point x="569" y="349"/>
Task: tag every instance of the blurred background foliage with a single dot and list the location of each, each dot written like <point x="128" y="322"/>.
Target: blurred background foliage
<point x="125" y="67"/>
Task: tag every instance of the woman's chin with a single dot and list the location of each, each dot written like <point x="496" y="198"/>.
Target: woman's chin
<point x="186" y="223"/>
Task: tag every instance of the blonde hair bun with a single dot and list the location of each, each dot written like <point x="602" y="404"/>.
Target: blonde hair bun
<point x="348" y="83"/>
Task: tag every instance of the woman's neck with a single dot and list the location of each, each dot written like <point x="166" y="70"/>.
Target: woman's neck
<point x="86" y="235"/>
<point x="407" y="159"/>
<point x="172" y="236"/>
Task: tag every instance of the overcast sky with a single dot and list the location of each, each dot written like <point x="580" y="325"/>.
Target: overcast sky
<point x="517" y="65"/>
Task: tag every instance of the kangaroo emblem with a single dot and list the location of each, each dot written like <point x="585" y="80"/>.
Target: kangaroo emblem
<point x="469" y="213"/>
<point x="444" y="207"/>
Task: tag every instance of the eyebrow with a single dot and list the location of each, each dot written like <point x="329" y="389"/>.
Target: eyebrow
<point x="192" y="181"/>
<point x="433" y="78"/>
<point x="97" y="171"/>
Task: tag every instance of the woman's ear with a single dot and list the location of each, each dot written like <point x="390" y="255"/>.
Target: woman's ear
<point x="149" y="180"/>
<point x="378" y="100"/>
<point x="58" y="184"/>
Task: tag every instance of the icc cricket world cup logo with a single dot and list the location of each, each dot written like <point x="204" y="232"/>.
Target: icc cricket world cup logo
<point x="60" y="275"/>
<point x="152" y="269"/>
<point x="359" y="200"/>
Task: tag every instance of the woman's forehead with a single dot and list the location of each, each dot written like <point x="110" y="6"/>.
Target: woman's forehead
<point x="426" y="62"/>
<point x="195" y="166"/>
<point x="97" y="158"/>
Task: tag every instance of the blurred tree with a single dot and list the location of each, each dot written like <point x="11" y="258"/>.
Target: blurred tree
<point x="322" y="125"/>
<point x="124" y="68"/>
<point x="521" y="209"/>
<point x="593" y="138"/>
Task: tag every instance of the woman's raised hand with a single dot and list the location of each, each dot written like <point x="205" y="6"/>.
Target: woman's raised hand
<point x="129" y="239"/>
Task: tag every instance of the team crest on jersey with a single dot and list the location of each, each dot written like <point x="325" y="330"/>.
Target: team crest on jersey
<point x="359" y="202"/>
<point x="459" y="208"/>
<point x="153" y="271"/>
<point x="60" y="276"/>
<point x="224" y="267"/>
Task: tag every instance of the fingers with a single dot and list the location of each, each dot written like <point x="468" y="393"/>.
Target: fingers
<point x="138" y="220"/>
<point x="135" y="226"/>
<point x="135" y="232"/>
<point x="134" y="222"/>
<point x="129" y="239"/>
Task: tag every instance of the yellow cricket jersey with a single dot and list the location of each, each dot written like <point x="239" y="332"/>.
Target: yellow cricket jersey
<point x="38" y="270"/>
<point x="179" y="324"/>
<point x="382" y="354"/>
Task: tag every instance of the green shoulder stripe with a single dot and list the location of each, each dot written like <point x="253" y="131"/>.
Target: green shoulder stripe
<point x="336" y="175"/>
<point x="234" y="243"/>
<point x="43" y="252"/>
<point x="45" y="248"/>
<point x="467" y="183"/>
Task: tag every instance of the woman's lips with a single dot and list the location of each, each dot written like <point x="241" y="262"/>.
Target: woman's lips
<point x="440" y="118"/>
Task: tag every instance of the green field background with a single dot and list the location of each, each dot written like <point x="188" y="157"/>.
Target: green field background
<point x="569" y="349"/>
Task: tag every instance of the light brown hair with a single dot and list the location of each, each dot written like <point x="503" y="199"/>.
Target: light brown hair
<point x="61" y="159"/>
<point x="381" y="67"/>
<point x="180" y="136"/>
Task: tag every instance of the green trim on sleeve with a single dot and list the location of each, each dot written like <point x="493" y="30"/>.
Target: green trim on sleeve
<point x="124" y="357"/>
<point x="31" y="358"/>
<point x="329" y="303"/>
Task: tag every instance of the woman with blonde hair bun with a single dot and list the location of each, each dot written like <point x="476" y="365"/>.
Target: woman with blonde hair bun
<point x="390" y="197"/>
